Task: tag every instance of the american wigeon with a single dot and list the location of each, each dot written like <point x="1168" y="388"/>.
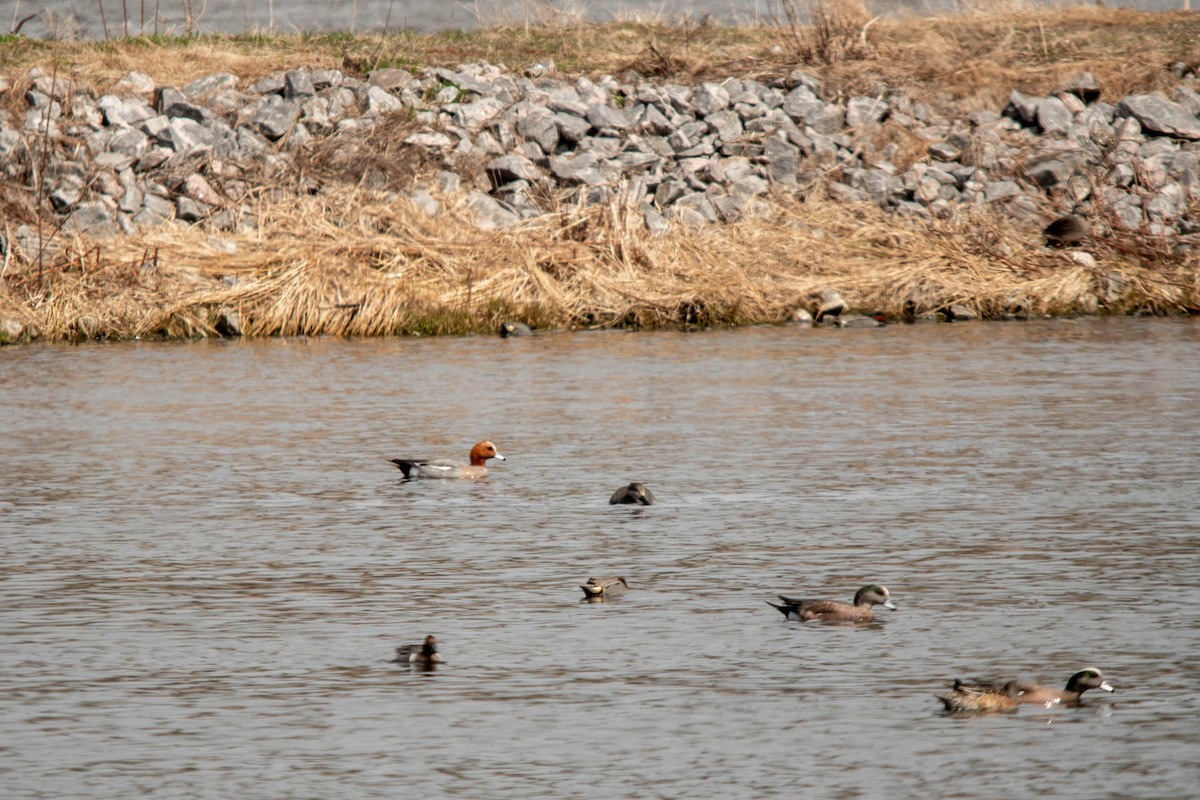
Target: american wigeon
<point x="424" y="468"/>
<point x="980" y="698"/>
<point x="631" y="494"/>
<point x="514" y="329"/>
<point x="995" y="696"/>
<point x="1077" y="684"/>
<point x="422" y="655"/>
<point x="600" y="588"/>
<point x="861" y="610"/>
<point x="1068" y="230"/>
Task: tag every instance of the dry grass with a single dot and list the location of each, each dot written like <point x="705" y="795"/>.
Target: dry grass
<point x="344" y="264"/>
<point x="349" y="262"/>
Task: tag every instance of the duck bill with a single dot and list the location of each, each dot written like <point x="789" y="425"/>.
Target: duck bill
<point x="499" y="457"/>
<point x="1106" y="686"/>
<point x="888" y="604"/>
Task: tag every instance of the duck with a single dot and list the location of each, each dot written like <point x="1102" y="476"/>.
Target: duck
<point x="424" y="468"/>
<point x="994" y="696"/>
<point x="980" y="698"/>
<point x="1047" y="696"/>
<point x="632" y="494"/>
<point x="1068" y="230"/>
<point x="601" y="588"/>
<point x="861" y="610"/>
<point x="424" y="655"/>
<point x="514" y="329"/>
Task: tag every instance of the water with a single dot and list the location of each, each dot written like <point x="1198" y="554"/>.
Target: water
<point x="88" y="19"/>
<point x="206" y="561"/>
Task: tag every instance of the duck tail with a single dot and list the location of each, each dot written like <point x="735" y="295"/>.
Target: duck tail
<point x="405" y="466"/>
<point x="782" y="609"/>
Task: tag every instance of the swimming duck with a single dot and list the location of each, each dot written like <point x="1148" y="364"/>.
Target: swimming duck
<point x="1077" y="684"/>
<point x="514" y="329"/>
<point x="861" y="610"/>
<point x="600" y="588"/>
<point x="1019" y="692"/>
<point x="980" y="698"/>
<point x="631" y="494"/>
<point x="424" y="468"/>
<point x="423" y="655"/>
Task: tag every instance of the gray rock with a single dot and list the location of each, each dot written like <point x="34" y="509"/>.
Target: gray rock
<point x="1084" y="87"/>
<point x="994" y="191"/>
<point x="783" y="161"/>
<point x="710" y="98"/>
<point x="95" y="218"/>
<point x="865" y="111"/>
<point x="725" y="124"/>
<point x="1167" y="204"/>
<point x="426" y="202"/>
<point x="1160" y="116"/>
<point x="802" y="102"/>
<point x="655" y="222"/>
<point x="474" y="115"/>
<point x="431" y="140"/>
<point x="138" y="82"/>
<point x="183" y="135"/>
<point x="1050" y="172"/>
<point x="190" y="210"/>
<point x="274" y="117"/>
<point x="512" y="168"/>
<point x="604" y="117"/>
<point x="944" y="151"/>
<point x="490" y="214"/>
<point x="541" y="129"/>
<point x="1021" y="108"/>
<point x="379" y="101"/>
<point x="1053" y="116"/>
<point x="389" y="79"/>
<point x="197" y="187"/>
<point x="210" y="84"/>
<point x="297" y="85"/>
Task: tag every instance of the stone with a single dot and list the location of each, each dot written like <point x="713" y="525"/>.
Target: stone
<point x="783" y="161"/>
<point x="1053" y="116"/>
<point x="510" y="168"/>
<point x="602" y="116"/>
<point x="274" y="117"/>
<point x="1021" y="108"/>
<point x="197" y="187"/>
<point x="994" y="191"/>
<point x="297" y="85"/>
<point x="1084" y="87"/>
<point x="1160" y="116"/>
<point x="423" y="200"/>
<point x="380" y="101"/>
<point x="944" y="151"/>
<point x="710" y="98"/>
<point x="865" y="111"/>
<point x="138" y="82"/>
<point x="474" y="115"/>
<point x="95" y="218"/>
<point x="490" y="214"/>
<point x="1050" y="172"/>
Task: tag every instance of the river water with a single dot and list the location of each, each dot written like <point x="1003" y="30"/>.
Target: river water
<point x="90" y="18"/>
<point x="206" y="561"/>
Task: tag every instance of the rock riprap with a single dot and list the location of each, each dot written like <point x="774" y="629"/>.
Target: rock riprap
<point x="516" y="145"/>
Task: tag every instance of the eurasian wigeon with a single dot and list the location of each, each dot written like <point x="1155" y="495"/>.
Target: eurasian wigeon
<point x="423" y="655"/>
<point x="861" y="610"/>
<point x="424" y="468"/>
<point x="631" y="494"/>
<point x="600" y="588"/>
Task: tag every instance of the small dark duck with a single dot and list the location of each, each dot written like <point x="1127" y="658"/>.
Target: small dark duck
<point x="421" y="655"/>
<point x="861" y="610"/>
<point x="632" y="494"/>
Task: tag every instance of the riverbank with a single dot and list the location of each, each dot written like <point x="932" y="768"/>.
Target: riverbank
<point x="599" y="175"/>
